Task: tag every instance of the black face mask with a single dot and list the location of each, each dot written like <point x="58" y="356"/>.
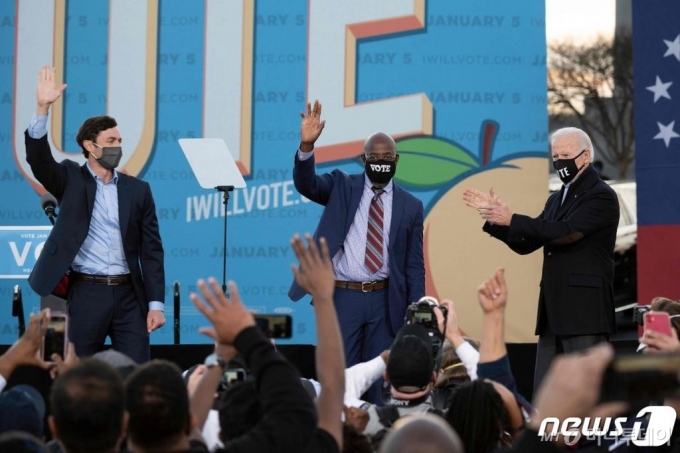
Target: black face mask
<point x="380" y="171"/>
<point x="110" y="157"/>
<point x="566" y="168"/>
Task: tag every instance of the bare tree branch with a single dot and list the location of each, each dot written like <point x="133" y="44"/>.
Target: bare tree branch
<point x="594" y="84"/>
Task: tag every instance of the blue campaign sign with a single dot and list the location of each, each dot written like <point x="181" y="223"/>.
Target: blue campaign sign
<point x="21" y="246"/>
<point x="461" y="85"/>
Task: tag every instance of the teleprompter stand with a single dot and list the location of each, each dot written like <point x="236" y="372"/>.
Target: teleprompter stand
<point x="225" y="192"/>
<point x="214" y="168"/>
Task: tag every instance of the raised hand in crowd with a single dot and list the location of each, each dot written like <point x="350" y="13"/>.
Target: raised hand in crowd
<point x="289" y="419"/>
<point x="315" y="275"/>
<point x="195" y="378"/>
<point x="47" y="92"/>
<point x="451" y="330"/>
<point x="202" y="384"/>
<point x="228" y="317"/>
<point x="26" y="350"/>
<point x="493" y="293"/>
<point x="311" y="126"/>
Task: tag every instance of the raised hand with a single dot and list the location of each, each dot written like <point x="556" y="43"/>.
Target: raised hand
<point x="311" y="125"/>
<point x="61" y="365"/>
<point x="46" y="91"/>
<point x="450" y="330"/>
<point x="25" y="351"/>
<point x="493" y="293"/>
<point x="228" y="317"/>
<point x="315" y="274"/>
<point x="657" y="342"/>
<point x="498" y="214"/>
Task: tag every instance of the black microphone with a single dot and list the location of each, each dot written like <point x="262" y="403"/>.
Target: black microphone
<point x="49" y="204"/>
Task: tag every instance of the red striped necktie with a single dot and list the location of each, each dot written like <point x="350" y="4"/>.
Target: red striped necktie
<point x="374" y="238"/>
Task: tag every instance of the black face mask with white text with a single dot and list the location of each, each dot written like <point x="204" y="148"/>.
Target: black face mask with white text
<point x="380" y="171"/>
<point x="566" y="168"/>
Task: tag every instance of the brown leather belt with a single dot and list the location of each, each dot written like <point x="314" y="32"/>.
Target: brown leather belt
<point x="110" y="280"/>
<point x="365" y="287"/>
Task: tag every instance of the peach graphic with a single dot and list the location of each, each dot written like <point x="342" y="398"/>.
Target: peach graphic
<point x="458" y="254"/>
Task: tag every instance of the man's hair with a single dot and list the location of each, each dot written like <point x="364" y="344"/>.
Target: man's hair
<point x="422" y="432"/>
<point x="478" y="415"/>
<point x="354" y="442"/>
<point x="240" y="409"/>
<point x="88" y="403"/>
<point x="583" y="138"/>
<point x="158" y="404"/>
<point x="91" y="128"/>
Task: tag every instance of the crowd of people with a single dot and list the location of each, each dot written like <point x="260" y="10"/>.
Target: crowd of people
<point x="462" y="399"/>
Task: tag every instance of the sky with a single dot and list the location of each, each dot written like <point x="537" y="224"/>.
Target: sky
<point x="579" y="20"/>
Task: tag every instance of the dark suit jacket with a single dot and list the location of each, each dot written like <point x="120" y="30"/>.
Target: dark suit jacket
<point x="341" y="194"/>
<point x="75" y="188"/>
<point x="578" y="256"/>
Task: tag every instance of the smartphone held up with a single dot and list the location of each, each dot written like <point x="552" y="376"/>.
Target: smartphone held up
<point x="275" y="326"/>
<point x="658" y="321"/>
<point x="56" y="337"/>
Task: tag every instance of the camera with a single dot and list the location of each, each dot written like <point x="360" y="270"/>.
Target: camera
<point x="231" y="376"/>
<point x="639" y="314"/>
<point x="422" y="312"/>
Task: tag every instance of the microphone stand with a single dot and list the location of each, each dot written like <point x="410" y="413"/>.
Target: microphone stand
<point x="51" y="214"/>
<point x="225" y="191"/>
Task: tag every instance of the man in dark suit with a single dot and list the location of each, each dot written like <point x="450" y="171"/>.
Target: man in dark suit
<point x="106" y="234"/>
<point x="577" y="230"/>
<point x="374" y="231"/>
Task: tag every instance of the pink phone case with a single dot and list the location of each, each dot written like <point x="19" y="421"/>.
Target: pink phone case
<point x="658" y="322"/>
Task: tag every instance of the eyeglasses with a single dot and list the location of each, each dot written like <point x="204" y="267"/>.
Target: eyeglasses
<point x="377" y="158"/>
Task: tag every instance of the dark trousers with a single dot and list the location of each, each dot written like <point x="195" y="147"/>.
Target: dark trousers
<point x="97" y="311"/>
<point x="365" y="333"/>
<point x="550" y="345"/>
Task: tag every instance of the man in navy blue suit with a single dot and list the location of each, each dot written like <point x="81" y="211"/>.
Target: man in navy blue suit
<point x="374" y="231"/>
<point x="106" y="234"/>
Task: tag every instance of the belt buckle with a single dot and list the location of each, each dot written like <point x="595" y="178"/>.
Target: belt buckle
<point x="110" y="280"/>
<point x="364" y="289"/>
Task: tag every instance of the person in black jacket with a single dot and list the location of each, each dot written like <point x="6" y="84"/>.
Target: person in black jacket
<point x="577" y="231"/>
<point x="106" y="233"/>
<point x="289" y="420"/>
